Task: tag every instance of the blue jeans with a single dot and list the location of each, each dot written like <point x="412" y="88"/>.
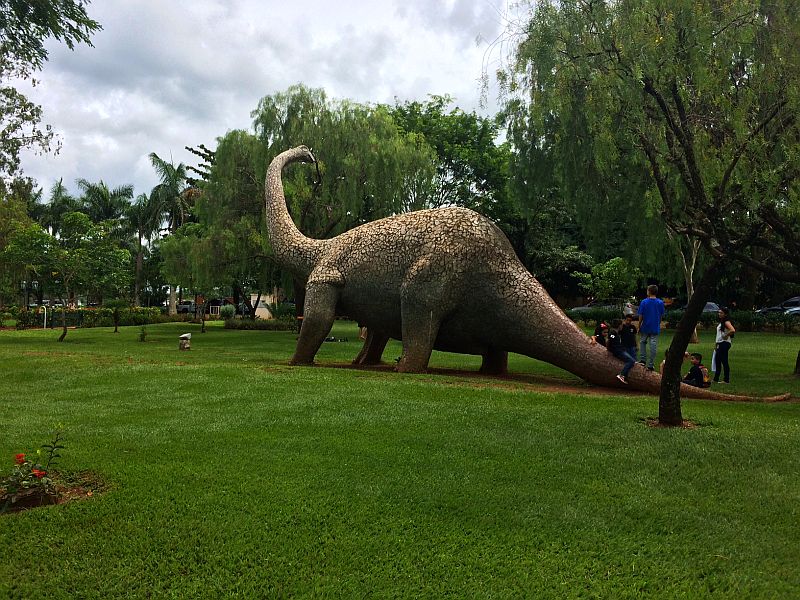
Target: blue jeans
<point x="651" y="340"/>
<point x="631" y="350"/>
<point x="629" y="361"/>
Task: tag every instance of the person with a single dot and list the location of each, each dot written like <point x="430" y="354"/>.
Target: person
<point x="628" y="333"/>
<point x="725" y="331"/>
<point x="698" y="374"/>
<point x="651" y="311"/>
<point x="613" y="343"/>
<point x="600" y="333"/>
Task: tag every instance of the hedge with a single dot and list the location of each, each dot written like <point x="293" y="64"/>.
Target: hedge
<point x="95" y="317"/>
<point x="743" y="320"/>
<point x="266" y="324"/>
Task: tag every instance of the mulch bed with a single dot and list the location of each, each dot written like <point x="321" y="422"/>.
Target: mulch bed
<point x="79" y="486"/>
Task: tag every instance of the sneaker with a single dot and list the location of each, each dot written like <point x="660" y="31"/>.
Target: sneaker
<point x="651" y="368"/>
<point x="622" y="379"/>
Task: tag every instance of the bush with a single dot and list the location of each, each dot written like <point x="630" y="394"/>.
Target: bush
<point x="227" y="311"/>
<point x="266" y="324"/>
<point x="97" y="317"/>
<point x="594" y="315"/>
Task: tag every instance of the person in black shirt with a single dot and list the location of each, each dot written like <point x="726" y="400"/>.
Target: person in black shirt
<point x="628" y="333"/>
<point x="695" y="376"/>
<point x="613" y="343"/>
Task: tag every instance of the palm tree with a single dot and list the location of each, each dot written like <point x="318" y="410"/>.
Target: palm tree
<point x="143" y="219"/>
<point x="102" y="203"/>
<point x="172" y="201"/>
<point x="61" y="203"/>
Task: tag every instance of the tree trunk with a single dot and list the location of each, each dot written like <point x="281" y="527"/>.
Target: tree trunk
<point x="173" y="308"/>
<point x="669" y="404"/>
<point x="137" y="285"/>
<point x="63" y="318"/>
<point x="797" y="365"/>
<point x="255" y="306"/>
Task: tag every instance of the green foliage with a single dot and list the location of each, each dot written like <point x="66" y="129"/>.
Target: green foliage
<point x="25" y="26"/>
<point x="614" y="278"/>
<point x="97" y="317"/>
<point x="282" y="324"/>
<point x="677" y="117"/>
<point x="31" y="477"/>
<point x="594" y="315"/>
<point x="369" y="168"/>
<point x="228" y="311"/>
<point x="471" y="167"/>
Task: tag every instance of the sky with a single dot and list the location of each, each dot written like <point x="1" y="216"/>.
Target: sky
<point x="165" y="74"/>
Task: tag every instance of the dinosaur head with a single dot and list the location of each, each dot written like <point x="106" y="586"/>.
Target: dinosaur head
<point x="303" y="154"/>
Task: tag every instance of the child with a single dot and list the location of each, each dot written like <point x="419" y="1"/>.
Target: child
<point x="698" y="374"/>
<point x="600" y="333"/>
<point x="628" y="333"/>
<point x="613" y="342"/>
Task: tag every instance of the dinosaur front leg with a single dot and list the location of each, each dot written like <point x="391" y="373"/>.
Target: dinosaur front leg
<point x="319" y="311"/>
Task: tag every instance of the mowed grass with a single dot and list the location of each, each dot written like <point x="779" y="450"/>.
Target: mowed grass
<point x="234" y="474"/>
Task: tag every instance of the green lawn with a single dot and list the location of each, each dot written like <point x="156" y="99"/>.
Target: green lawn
<point x="233" y="474"/>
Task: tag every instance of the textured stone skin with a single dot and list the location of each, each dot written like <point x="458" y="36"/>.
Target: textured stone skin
<point x="445" y="279"/>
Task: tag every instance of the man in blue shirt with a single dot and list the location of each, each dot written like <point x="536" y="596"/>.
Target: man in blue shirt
<point x="651" y="310"/>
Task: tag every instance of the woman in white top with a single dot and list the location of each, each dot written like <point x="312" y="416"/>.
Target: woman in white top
<point x="725" y="332"/>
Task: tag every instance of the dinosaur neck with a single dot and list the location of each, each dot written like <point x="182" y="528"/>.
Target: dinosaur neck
<point x="292" y="249"/>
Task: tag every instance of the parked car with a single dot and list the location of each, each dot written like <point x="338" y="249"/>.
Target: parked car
<point x="185" y="307"/>
<point x="628" y="308"/>
<point x="709" y="307"/>
<point x="794" y="311"/>
<point x="793" y="302"/>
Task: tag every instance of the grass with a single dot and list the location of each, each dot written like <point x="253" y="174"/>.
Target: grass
<point x="235" y="474"/>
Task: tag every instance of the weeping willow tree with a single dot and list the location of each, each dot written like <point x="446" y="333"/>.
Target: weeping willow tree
<point x="368" y="168"/>
<point x="687" y="106"/>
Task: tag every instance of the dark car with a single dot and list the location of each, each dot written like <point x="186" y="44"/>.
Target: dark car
<point x="709" y="307"/>
<point x="792" y="302"/>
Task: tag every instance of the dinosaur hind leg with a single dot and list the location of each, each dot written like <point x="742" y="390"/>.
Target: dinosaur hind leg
<point x="420" y="328"/>
<point x="319" y="311"/>
<point x="495" y="362"/>
<point x="422" y="307"/>
<point x="373" y="348"/>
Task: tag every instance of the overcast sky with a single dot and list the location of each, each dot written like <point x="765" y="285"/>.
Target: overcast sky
<point x="166" y="74"/>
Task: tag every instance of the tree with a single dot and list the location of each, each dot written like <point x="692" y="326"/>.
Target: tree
<point x="172" y="202"/>
<point x="101" y="203"/>
<point x="13" y="215"/>
<point x="83" y="257"/>
<point x="471" y="169"/>
<point x="368" y="170"/>
<point x="613" y="279"/>
<point x="142" y="220"/>
<point x="60" y="203"/>
<point x="698" y="101"/>
<point x="24" y="28"/>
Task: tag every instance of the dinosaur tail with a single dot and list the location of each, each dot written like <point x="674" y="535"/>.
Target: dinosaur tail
<point x="543" y="331"/>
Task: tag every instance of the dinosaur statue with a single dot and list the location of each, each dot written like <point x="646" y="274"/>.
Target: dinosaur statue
<point x="445" y="279"/>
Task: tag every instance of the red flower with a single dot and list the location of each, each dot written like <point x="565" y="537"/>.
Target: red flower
<point x="39" y="474"/>
<point x="19" y="458"/>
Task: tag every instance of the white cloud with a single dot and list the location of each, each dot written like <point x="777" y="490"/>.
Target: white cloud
<point x="164" y="75"/>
